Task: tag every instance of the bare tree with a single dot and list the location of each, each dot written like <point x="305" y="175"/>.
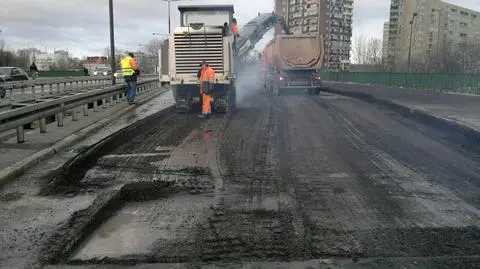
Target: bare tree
<point x="461" y="57"/>
<point x="7" y="57"/>
<point x="367" y="50"/>
<point x="153" y="47"/>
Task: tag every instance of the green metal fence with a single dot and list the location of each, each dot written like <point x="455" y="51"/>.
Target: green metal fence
<point x="450" y="82"/>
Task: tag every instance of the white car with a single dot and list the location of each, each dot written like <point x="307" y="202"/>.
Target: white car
<point x="102" y="72"/>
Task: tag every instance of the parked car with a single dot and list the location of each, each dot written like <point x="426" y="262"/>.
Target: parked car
<point x="11" y="74"/>
<point x="102" y="72"/>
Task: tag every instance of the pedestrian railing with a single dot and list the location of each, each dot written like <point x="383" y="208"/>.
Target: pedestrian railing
<point x="108" y="96"/>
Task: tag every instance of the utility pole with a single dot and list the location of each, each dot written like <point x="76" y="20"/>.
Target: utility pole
<point x="169" y="16"/>
<point x="112" y="42"/>
<point x="411" y="34"/>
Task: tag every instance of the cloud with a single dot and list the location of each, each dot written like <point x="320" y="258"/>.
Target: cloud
<point x="81" y="26"/>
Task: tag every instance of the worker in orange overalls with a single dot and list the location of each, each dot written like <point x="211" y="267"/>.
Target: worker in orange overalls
<point x="207" y="82"/>
<point x="235" y="35"/>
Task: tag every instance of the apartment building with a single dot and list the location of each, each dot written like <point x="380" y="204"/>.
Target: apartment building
<point x="330" y="18"/>
<point x="386" y="30"/>
<point x="420" y="31"/>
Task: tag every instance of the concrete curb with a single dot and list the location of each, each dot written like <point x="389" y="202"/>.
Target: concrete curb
<point x="436" y="121"/>
<point x="17" y="169"/>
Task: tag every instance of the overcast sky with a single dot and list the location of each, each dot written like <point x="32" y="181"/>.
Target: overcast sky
<point x="81" y="26"/>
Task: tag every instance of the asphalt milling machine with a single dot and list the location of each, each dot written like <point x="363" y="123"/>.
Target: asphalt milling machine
<point x="202" y="37"/>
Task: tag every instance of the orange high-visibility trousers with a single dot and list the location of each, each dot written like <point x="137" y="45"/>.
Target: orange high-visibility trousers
<point x="206" y="104"/>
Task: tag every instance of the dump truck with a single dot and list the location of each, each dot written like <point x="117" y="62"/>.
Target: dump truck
<point x="292" y="63"/>
<point x="202" y="37"/>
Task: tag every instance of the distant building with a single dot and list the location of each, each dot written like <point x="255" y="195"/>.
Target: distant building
<point x="386" y="30"/>
<point x="44" y="60"/>
<point x="437" y="26"/>
<point x="330" y="18"/>
<point x="96" y="62"/>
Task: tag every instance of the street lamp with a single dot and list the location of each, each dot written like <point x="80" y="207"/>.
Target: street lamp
<point x="112" y="41"/>
<point x="411" y="34"/>
<point x="169" y="19"/>
<point x="438" y="28"/>
<point x="159" y="34"/>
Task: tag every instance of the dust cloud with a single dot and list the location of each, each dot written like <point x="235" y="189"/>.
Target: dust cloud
<point x="249" y="81"/>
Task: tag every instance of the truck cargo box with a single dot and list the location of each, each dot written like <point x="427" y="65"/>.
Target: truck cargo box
<point x="295" y="52"/>
<point x="292" y="63"/>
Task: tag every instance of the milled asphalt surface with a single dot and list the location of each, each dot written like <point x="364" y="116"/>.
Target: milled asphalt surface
<point x="461" y="108"/>
<point x="290" y="182"/>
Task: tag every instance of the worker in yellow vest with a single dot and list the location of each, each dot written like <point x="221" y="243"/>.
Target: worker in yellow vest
<point x="130" y="72"/>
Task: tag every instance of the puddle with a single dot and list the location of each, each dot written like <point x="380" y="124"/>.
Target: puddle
<point x="144" y="228"/>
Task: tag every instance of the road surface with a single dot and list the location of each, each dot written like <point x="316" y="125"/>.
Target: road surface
<point x="289" y="182"/>
<point x="293" y="178"/>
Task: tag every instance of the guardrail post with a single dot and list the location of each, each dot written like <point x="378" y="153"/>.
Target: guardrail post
<point x="58" y="88"/>
<point x="95" y="106"/>
<point x="42" y="90"/>
<point x="74" y="114"/>
<point x="33" y="90"/>
<point x="104" y="102"/>
<point x="20" y="134"/>
<point x="50" y="88"/>
<point x="60" y="117"/>
<point x="23" y="92"/>
<point x="65" y="86"/>
<point x="85" y="110"/>
<point x="43" y="125"/>
<point x="111" y="100"/>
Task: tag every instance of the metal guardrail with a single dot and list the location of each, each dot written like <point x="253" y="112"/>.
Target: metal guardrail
<point x="19" y="89"/>
<point x="46" y="81"/>
<point x="41" y="88"/>
<point x="17" y="118"/>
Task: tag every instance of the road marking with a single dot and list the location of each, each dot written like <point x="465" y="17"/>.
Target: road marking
<point x="162" y="148"/>
<point x="137" y="155"/>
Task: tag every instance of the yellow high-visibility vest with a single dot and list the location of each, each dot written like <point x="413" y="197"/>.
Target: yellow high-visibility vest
<point x="127" y="68"/>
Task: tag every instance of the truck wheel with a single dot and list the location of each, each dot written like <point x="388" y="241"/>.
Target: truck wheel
<point x="317" y="91"/>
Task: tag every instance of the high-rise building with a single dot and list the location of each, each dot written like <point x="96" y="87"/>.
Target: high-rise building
<point x="330" y="18"/>
<point x="420" y="31"/>
<point x="386" y="29"/>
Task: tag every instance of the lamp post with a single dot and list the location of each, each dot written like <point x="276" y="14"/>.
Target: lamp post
<point x="159" y="34"/>
<point x="438" y="29"/>
<point x="112" y="41"/>
<point x="169" y="18"/>
<point x="411" y="34"/>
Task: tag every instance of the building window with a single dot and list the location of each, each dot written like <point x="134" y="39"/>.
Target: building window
<point x="463" y="35"/>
